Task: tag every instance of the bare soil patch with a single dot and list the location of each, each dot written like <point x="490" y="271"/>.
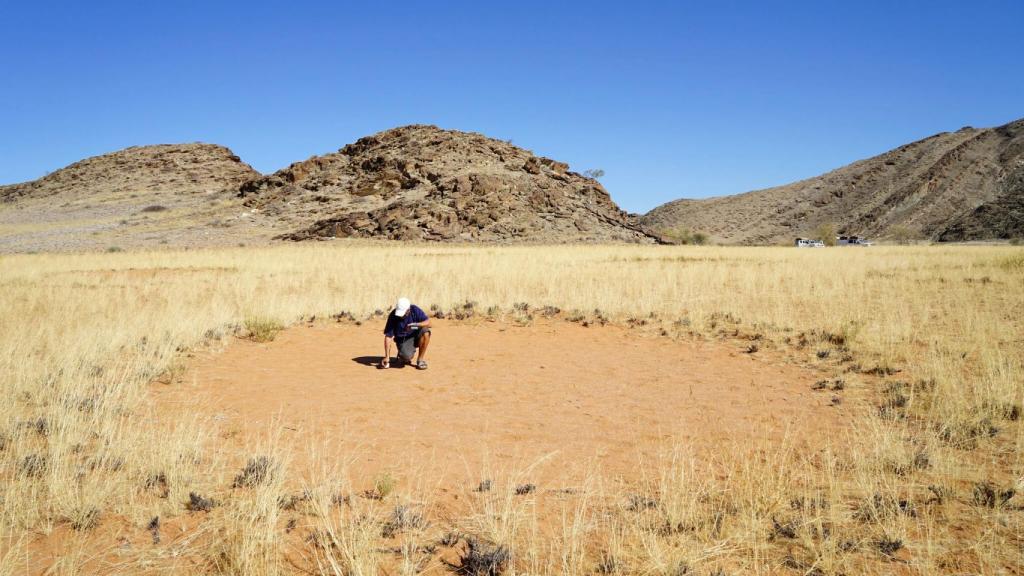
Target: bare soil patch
<point x="500" y="397"/>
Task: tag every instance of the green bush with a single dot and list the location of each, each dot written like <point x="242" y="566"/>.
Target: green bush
<point x="826" y="232"/>
<point x="904" y="235"/>
<point x="684" y="235"/>
<point x="262" y="329"/>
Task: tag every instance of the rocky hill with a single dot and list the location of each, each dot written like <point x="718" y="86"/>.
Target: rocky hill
<point x="963" y="185"/>
<point x="424" y="183"/>
<point x="156" y="171"/>
<point x="180" y="194"/>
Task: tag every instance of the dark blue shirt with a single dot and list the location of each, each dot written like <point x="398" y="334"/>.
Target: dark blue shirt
<point x="399" y="327"/>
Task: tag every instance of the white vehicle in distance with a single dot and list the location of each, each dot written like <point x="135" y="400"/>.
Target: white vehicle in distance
<point x="852" y="241"/>
<point x="807" y="243"/>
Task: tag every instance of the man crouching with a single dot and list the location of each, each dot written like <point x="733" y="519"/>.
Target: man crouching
<point x="408" y="327"/>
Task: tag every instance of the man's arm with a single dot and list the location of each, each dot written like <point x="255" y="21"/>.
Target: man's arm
<point x="385" y="362"/>
<point x="422" y="322"/>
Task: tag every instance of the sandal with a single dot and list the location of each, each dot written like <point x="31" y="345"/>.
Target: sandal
<point x="421" y="365"/>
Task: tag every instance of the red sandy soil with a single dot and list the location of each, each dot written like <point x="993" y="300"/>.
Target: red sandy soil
<point x="498" y="398"/>
<point x="551" y="404"/>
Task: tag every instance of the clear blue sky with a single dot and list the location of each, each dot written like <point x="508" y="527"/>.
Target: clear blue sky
<point x="671" y="99"/>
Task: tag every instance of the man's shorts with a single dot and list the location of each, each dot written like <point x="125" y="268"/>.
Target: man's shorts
<point x="407" y="345"/>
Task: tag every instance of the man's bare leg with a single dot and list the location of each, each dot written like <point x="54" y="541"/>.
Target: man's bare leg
<point x="423" y="343"/>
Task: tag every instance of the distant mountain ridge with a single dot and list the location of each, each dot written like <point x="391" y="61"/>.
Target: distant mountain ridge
<point x="415" y="182"/>
<point x="424" y="183"/>
<point x="953" y="186"/>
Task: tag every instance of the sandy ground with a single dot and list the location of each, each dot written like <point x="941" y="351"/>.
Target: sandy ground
<point x="552" y="404"/>
<point x="500" y="398"/>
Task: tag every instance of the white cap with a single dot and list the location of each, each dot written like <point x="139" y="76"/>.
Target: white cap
<point x="402" y="306"/>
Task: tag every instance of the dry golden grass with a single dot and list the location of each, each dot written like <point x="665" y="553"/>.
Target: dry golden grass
<point x="922" y="486"/>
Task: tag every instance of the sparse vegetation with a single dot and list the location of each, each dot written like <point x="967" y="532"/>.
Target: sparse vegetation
<point x="262" y="329"/>
<point x="383" y="486"/>
<point x="826" y="232"/>
<point x="684" y="236"/>
<point x="904" y="235"/>
<point x="927" y="482"/>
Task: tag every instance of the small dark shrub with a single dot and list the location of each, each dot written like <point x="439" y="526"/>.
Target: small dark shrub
<point x="154" y="208"/>
<point x="549" y="311"/>
<point x="154" y="529"/>
<point x="292" y="501"/>
<point x="484" y="486"/>
<point x="524" y="489"/>
<point x="879" y="507"/>
<point x="39" y="425"/>
<point x="888" y="546"/>
<point x="966" y="434"/>
<point x="32" y="466"/>
<point x="481" y="559"/>
<point x="159" y="483"/>
<point x="816" y="502"/>
<point x="940" y="493"/>
<point x="402" y="518"/>
<point x="638" y="502"/>
<point x="921" y="460"/>
<point x="257" y="472"/>
<point x="988" y="495"/>
<point x="784" y="529"/>
<point x="197" y="503"/>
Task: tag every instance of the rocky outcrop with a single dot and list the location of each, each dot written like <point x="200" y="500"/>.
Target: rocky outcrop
<point x="424" y="183"/>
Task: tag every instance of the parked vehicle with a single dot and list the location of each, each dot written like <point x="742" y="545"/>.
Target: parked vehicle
<point x="808" y="243"/>
<point x="852" y="241"/>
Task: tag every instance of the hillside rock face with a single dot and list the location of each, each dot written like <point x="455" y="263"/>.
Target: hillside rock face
<point x="146" y="196"/>
<point x="166" y="168"/>
<point x="964" y="185"/>
<point x="424" y="183"/>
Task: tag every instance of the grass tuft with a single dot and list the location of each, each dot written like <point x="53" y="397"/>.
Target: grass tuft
<point x="262" y="329"/>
